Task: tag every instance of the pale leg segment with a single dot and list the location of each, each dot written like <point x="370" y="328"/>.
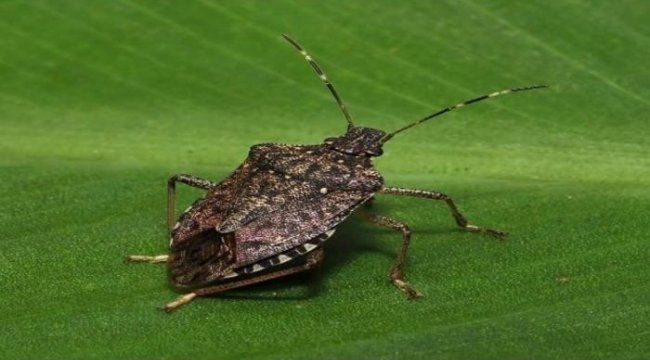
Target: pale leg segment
<point x="157" y="259"/>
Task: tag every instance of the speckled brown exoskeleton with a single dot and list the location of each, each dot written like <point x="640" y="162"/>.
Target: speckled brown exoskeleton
<point x="270" y="217"/>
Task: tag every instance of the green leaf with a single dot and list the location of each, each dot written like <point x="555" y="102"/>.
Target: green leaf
<point x="102" y="101"/>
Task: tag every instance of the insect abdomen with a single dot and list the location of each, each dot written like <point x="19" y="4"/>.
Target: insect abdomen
<point x="283" y="257"/>
<point x="204" y="258"/>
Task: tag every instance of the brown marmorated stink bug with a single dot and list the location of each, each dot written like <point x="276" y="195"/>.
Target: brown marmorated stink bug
<point x="270" y="217"/>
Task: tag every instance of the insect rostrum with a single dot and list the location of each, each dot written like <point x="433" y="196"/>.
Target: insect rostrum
<point x="270" y="217"/>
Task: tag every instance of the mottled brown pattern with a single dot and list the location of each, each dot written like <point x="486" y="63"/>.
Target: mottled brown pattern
<point x="209" y="253"/>
<point x="279" y="198"/>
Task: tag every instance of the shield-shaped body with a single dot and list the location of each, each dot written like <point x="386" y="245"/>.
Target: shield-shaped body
<point x="282" y="202"/>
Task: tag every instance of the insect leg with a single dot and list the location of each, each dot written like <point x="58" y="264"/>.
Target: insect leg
<point x="171" y="192"/>
<point x="458" y="217"/>
<point x="149" y="259"/>
<point x="397" y="272"/>
<point x="312" y="260"/>
<point x="171" y="206"/>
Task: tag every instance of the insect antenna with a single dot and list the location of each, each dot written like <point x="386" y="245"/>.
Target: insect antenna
<point x="460" y="105"/>
<point x="322" y="76"/>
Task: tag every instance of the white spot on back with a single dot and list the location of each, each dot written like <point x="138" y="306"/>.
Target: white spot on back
<point x="309" y="247"/>
<point x="283" y="258"/>
<point x="323" y="191"/>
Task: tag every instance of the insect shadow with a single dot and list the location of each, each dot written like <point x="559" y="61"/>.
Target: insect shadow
<point x="346" y="244"/>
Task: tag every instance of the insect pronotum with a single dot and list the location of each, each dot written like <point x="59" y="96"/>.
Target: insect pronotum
<point x="270" y="217"/>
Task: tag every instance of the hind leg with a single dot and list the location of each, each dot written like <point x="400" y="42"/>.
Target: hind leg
<point x="312" y="260"/>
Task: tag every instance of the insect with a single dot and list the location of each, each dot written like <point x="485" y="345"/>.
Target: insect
<point x="270" y="217"/>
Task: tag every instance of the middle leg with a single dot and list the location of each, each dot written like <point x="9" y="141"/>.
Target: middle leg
<point x="397" y="271"/>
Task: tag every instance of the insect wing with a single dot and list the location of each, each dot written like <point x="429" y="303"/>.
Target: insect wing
<point x="284" y="229"/>
<point x="279" y="199"/>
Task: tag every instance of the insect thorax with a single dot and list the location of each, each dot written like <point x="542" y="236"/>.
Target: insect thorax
<point x="358" y="141"/>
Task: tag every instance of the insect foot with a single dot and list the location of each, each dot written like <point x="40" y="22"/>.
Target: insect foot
<point x="410" y="292"/>
<point x="270" y="217"/>
<point x="499" y="234"/>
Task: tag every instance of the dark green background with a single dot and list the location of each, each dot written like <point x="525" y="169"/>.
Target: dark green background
<point x="101" y="101"/>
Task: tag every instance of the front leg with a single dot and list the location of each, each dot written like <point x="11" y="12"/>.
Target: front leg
<point x="460" y="218"/>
